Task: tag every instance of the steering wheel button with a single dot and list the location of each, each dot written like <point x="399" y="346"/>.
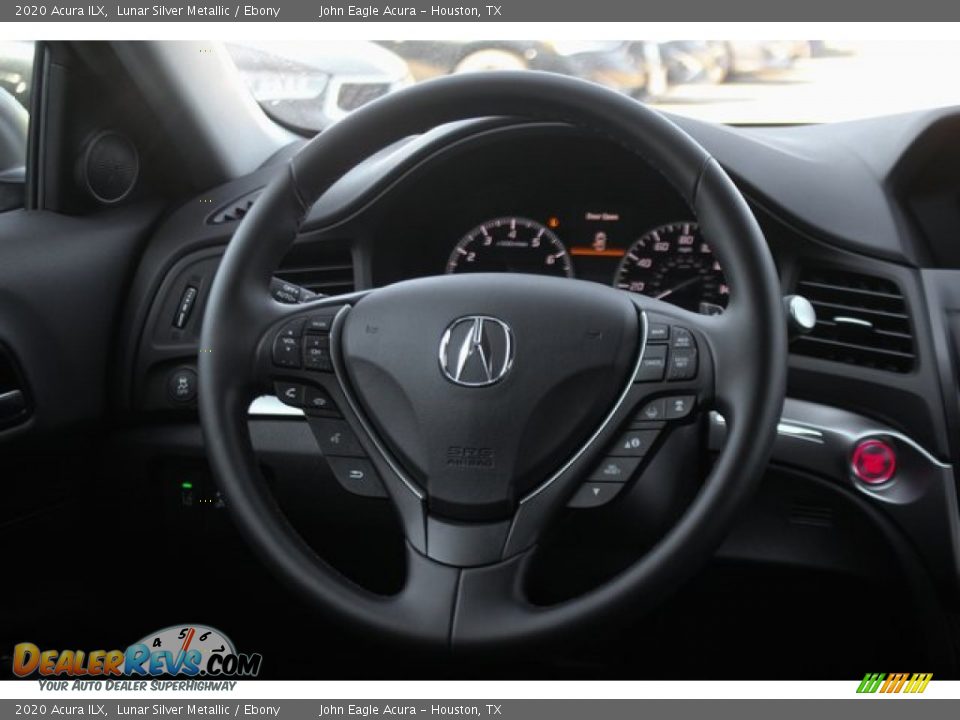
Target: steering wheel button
<point x="292" y="329"/>
<point x="634" y="443"/>
<point x="615" y="469"/>
<point x="336" y="439"/>
<point x="286" y="352"/>
<point x="653" y="411"/>
<point x="658" y="332"/>
<point x="317" y="400"/>
<point x="594" y="494"/>
<point x="289" y="393"/>
<point x="653" y="364"/>
<point x="357" y="476"/>
<point x="679" y="407"/>
<point x="320" y="323"/>
<point x="683" y="364"/>
<point x="316" y="353"/>
<point x="682" y="339"/>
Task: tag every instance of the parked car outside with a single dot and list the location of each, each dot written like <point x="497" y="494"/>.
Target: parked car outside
<point x="715" y="61"/>
<point x="16" y="69"/>
<point x="634" y="68"/>
<point x="313" y="85"/>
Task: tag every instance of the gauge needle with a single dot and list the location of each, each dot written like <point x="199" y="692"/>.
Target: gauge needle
<point x="672" y="290"/>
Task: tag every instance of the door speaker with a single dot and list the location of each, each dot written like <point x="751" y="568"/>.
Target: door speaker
<point x="109" y="167"/>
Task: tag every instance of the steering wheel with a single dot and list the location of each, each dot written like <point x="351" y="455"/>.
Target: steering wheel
<point x="484" y="402"/>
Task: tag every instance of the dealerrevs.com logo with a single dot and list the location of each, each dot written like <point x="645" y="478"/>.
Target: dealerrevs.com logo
<point x="889" y="683"/>
<point x="184" y="650"/>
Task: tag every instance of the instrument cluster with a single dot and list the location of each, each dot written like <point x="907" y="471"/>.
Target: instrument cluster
<point x="670" y="261"/>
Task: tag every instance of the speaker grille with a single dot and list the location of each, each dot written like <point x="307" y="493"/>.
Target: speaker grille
<point x="110" y="167"/>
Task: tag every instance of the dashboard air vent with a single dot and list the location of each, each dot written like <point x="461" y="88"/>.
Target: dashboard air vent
<point x="325" y="268"/>
<point x="861" y="320"/>
<point x="235" y="209"/>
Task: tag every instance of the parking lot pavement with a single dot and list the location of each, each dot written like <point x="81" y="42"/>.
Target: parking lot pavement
<point x="874" y="78"/>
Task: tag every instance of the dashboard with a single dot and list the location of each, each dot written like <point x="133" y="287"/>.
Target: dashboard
<point x="510" y="196"/>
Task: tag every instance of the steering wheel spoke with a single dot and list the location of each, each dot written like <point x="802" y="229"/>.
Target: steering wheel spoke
<point x="297" y="360"/>
<point x="672" y="384"/>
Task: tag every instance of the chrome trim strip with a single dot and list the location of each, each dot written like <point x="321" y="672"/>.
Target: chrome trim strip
<point x="606" y="421"/>
<point x="798" y="432"/>
<point x="787" y="428"/>
<point x="817" y="433"/>
<point x="846" y="320"/>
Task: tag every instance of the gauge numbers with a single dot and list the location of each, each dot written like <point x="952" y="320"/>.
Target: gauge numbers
<point x="673" y="263"/>
<point x="511" y="244"/>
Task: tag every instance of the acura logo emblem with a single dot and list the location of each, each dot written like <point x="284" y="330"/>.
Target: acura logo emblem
<point x="476" y="350"/>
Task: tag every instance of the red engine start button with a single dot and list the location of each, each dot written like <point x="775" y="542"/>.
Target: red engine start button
<point x="874" y="462"/>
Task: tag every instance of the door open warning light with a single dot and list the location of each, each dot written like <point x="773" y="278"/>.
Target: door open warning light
<point x="874" y="462"/>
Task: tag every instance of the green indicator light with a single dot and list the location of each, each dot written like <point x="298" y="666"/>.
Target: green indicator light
<point x="187" y="486"/>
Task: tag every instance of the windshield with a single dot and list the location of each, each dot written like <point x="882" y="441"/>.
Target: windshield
<point x="308" y="85"/>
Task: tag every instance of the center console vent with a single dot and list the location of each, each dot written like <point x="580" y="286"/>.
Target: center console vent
<point x="324" y="267"/>
<point x="861" y="320"/>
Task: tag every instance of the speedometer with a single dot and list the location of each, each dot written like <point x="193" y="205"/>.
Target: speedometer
<point x="511" y="244"/>
<point x="673" y="263"/>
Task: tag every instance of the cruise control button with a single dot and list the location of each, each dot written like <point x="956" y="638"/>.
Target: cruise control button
<point x="615" y="469"/>
<point x="336" y="438"/>
<point x="683" y="365"/>
<point x="320" y="322"/>
<point x="682" y="339"/>
<point x="317" y="400"/>
<point x="634" y="443"/>
<point x="594" y="494"/>
<point x="316" y="353"/>
<point x="659" y="332"/>
<point x="652" y="411"/>
<point x="357" y="475"/>
<point x="289" y="393"/>
<point x="653" y="364"/>
<point x="679" y="407"/>
<point x="286" y="352"/>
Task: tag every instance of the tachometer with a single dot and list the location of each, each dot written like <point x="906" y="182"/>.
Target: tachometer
<point x="673" y="263"/>
<point x="511" y="244"/>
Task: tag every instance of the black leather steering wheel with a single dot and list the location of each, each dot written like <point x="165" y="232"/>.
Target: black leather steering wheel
<point x="484" y="401"/>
